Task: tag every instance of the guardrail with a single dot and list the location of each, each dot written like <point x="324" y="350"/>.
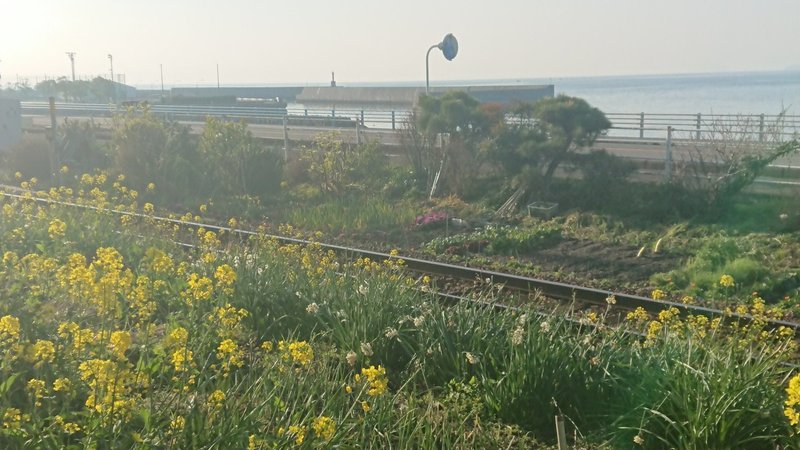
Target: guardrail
<point x="624" y="125"/>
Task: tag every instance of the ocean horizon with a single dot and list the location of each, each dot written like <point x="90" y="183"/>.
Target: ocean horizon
<point x="770" y="92"/>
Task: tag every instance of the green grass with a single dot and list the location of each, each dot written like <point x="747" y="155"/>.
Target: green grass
<point x="457" y="377"/>
<point x="353" y="213"/>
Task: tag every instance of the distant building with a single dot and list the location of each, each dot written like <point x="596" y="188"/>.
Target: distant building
<point x="10" y="123"/>
<point x="405" y="98"/>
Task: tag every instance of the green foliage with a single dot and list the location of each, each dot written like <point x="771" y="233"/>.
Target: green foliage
<point x="690" y="395"/>
<point x="32" y="156"/>
<point x="80" y="149"/>
<point x="543" y="135"/>
<point x="237" y="162"/>
<point x="97" y="90"/>
<point x="462" y="125"/>
<point x="464" y="376"/>
<point x="743" y="258"/>
<point x="335" y="167"/>
<point x="457" y="114"/>
<point x="723" y="166"/>
<point x="147" y="149"/>
<point x="352" y="212"/>
<point x="502" y="240"/>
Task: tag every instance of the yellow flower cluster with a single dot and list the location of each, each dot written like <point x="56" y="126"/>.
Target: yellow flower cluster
<point x="158" y="261"/>
<point x="57" y="229"/>
<point x="110" y="384"/>
<point x="44" y="351"/>
<point x="216" y="400"/>
<point x="375" y="378"/>
<point x="13" y="419"/>
<point x="792" y="411"/>
<point x="199" y="288"/>
<point x="225" y="276"/>
<point x="298" y="432"/>
<point x="727" y="281"/>
<point x="298" y="352"/>
<point x="229" y="353"/>
<point x="324" y="427"/>
<point x="9" y="329"/>
<point x="38" y="389"/>
<point x="142" y="305"/>
<point x="119" y="343"/>
<point x="80" y="337"/>
<point x="227" y="318"/>
<point x="182" y="359"/>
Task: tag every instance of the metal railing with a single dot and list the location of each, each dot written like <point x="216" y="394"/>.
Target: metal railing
<point x="650" y="126"/>
<point x="704" y="126"/>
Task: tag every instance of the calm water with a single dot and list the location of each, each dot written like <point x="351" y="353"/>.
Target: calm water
<point x="722" y="93"/>
<point x="728" y="93"/>
<point x="768" y="93"/>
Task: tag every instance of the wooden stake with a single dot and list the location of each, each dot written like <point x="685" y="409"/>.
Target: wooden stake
<point x="561" y="434"/>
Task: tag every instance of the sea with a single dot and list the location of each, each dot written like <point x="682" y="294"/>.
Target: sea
<point x="727" y="93"/>
<point x="707" y="93"/>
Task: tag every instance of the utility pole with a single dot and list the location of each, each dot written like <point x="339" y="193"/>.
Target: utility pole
<point x="71" y="56"/>
<point x="113" y="85"/>
<point x="217" y="75"/>
<point x="161" y="68"/>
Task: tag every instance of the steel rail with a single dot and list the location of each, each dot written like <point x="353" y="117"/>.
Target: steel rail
<point x="564" y="292"/>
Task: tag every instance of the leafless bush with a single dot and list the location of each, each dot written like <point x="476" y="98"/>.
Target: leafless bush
<point x="729" y="153"/>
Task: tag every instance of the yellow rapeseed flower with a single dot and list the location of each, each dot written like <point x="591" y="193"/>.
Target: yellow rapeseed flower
<point x="178" y="337"/>
<point x="299" y="352"/>
<point x="119" y="343"/>
<point x="792" y="402"/>
<point x="225" y="275"/>
<point x="376" y="380"/>
<point x="56" y="229"/>
<point x="216" y="399"/>
<point x="199" y="289"/>
<point x="182" y="359"/>
<point x="324" y="427"/>
<point x="726" y="281"/>
<point x="44" y="351"/>
<point x="62" y="384"/>
<point x="12" y="419"/>
<point x="230" y="354"/>
<point x="38" y="388"/>
<point x="177" y="424"/>
<point x="299" y="434"/>
<point x="9" y="328"/>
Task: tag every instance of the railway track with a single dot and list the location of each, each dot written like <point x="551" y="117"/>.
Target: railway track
<point x="561" y="292"/>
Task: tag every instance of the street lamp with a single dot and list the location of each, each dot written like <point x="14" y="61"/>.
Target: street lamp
<point x="71" y="56"/>
<point x="113" y="86"/>
<point x="449" y="47"/>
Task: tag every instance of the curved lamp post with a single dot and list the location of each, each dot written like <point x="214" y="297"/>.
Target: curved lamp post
<point x="449" y="47"/>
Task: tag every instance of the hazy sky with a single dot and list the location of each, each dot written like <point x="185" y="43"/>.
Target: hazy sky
<point x="302" y="41"/>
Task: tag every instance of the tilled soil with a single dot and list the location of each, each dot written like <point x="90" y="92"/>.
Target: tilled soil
<point x="588" y="263"/>
<point x="603" y="261"/>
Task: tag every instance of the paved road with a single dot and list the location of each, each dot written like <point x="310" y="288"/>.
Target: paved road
<point x="645" y="150"/>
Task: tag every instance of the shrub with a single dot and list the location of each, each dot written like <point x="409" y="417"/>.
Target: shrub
<point x="32" y="157"/>
<point x="336" y="167"/>
<point x="238" y="163"/>
<point x="147" y="149"/>
<point x="80" y="149"/>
